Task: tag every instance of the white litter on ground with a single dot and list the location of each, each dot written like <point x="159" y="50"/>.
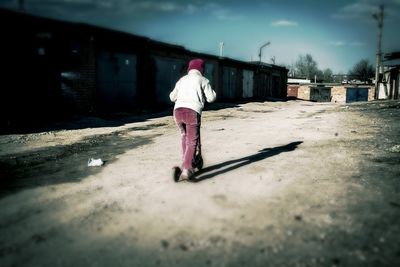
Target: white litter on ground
<point x="95" y="162"/>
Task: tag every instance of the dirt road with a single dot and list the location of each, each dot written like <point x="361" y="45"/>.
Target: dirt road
<point x="285" y="184"/>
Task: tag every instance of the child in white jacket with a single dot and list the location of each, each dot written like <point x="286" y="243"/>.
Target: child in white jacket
<point x="189" y="95"/>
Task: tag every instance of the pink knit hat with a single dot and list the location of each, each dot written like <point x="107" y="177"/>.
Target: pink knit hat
<point x="196" y="64"/>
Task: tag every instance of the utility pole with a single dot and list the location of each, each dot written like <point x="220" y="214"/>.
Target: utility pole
<point x="264" y="45"/>
<point x="379" y="18"/>
<point x="221" y="49"/>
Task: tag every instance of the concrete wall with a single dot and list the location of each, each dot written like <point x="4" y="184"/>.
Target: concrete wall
<point x="371" y="93"/>
<point x="292" y="90"/>
<point x="338" y="94"/>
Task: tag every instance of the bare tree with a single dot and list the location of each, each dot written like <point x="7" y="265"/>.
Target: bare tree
<point x="363" y="70"/>
<point x="327" y="75"/>
<point x="291" y="70"/>
<point x="307" y="67"/>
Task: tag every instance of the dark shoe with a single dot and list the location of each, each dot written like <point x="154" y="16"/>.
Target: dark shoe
<point x="176" y="173"/>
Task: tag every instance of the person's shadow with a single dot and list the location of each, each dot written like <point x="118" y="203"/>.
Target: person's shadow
<point x="214" y="170"/>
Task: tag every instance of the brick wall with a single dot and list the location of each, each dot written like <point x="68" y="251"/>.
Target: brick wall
<point x="338" y="93"/>
<point x="86" y="88"/>
<point x="371" y="93"/>
<point x="85" y="85"/>
<point x="292" y="90"/>
<point x="303" y="92"/>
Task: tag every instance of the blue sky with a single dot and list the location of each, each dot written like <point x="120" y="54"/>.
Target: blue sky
<point x="336" y="33"/>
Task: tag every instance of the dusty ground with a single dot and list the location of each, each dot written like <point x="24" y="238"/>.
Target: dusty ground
<point x="285" y="184"/>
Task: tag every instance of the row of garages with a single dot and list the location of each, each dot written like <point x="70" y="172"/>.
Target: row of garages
<point x="124" y="81"/>
<point x="55" y="68"/>
<point x="331" y="93"/>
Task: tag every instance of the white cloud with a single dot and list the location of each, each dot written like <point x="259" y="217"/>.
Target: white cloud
<point x="337" y="43"/>
<point x="285" y="23"/>
<point x="364" y="9"/>
<point x="155" y="6"/>
<point x="225" y="14"/>
<point x="358" y="10"/>
<point x="356" y="44"/>
<point x="342" y="43"/>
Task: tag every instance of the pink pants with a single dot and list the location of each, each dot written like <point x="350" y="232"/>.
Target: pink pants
<point x="188" y="122"/>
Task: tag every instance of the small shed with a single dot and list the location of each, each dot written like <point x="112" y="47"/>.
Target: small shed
<point x="292" y="91"/>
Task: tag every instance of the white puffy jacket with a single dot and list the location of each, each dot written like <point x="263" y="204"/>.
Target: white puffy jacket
<point x="191" y="91"/>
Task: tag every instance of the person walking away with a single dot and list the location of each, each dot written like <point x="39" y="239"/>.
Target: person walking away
<point x="189" y="95"/>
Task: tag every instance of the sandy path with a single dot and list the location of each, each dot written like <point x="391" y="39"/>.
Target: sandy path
<point x="279" y="190"/>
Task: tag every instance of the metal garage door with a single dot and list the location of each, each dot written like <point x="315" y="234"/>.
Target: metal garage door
<point x="248" y="83"/>
<point x="169" y="71"/>
<point x="116" y="81"/>
<point x="229" y="85"/>
<point x="356" y="94"/>
<point x="320" y="94"/>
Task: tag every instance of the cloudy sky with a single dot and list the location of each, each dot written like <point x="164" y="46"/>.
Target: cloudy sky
<point x="336" y="33"/>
